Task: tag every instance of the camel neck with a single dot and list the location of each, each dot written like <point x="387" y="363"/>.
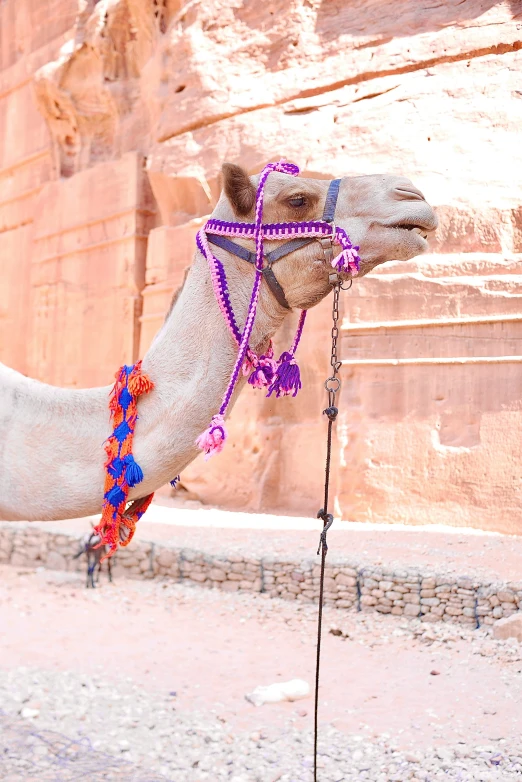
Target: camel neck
<point x="195" y="343"/>
<point x="191" y="359"/>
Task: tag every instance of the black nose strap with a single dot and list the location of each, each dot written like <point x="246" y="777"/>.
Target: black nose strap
<point x="280" y="252"/>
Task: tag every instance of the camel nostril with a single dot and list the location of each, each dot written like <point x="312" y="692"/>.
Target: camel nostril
<point x="408" y="194"/>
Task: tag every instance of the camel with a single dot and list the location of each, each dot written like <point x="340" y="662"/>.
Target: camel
<point x="51" y="439"/>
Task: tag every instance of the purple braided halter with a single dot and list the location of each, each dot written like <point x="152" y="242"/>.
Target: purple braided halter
<point x="281" y="377"/>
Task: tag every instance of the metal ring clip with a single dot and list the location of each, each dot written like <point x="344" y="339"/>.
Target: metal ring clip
<point x="335" y="388"/>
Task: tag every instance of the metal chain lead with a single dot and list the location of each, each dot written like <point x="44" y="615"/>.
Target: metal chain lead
<point x="333" y="386"/>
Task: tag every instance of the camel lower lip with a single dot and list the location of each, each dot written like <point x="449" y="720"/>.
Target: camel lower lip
<point x="412" y="228"/>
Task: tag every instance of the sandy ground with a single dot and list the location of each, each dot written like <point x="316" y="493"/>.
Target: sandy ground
<point x="422" y="687"/>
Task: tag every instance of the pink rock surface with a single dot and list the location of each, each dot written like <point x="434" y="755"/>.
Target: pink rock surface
<point x="508" y="627"/>
<point x="114" y="121"/>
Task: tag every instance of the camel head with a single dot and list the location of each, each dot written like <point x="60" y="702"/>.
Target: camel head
<point x="386" y="215"/>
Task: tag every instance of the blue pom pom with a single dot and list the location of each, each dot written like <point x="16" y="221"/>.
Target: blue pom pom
<point x="133" y="471"/>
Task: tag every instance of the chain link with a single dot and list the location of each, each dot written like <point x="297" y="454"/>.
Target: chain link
<point x="333" y="383"/>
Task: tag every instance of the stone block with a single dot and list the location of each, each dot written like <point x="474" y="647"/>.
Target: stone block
<point x="345" y="603"/>
<point x="506" y="596"/>
<point x="216" y="574"/>
<point x="199" y="577"/>
<point x="166" y="558"/>
<point x="385" y="586"/>
<point x="345" y="580"/>
<point x="453" y="610"/>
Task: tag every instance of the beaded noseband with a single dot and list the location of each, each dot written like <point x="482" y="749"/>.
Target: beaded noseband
<point x="280" y="252"/>
<point x="281" y="377"/>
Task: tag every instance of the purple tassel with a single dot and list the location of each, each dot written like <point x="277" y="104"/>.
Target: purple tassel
<point x="287" y="378"/>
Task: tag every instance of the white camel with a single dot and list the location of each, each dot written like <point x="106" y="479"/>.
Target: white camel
<point x="51" y="439"/>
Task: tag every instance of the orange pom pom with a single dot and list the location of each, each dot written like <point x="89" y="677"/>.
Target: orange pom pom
<point x="140" y="384"/>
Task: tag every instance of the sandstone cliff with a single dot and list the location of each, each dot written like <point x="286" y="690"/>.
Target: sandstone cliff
<point x="115" y="117"/>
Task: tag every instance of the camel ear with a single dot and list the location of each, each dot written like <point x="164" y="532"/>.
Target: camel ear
<point x="238" y="188"/>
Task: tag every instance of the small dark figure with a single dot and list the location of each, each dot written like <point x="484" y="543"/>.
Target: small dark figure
<point x="94" y="555"/>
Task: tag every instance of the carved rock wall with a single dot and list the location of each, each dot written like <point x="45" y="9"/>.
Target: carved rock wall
<point x="115" y="117"/>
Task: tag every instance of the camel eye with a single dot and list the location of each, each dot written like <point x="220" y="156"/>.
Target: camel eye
<point x="297" y="201"/>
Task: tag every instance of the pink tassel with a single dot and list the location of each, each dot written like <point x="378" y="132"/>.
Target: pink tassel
<point x="264" y="370"/>
<point x="261" y="369"/>
<point x="213" y="439"/>
<point x="347" y="261"/>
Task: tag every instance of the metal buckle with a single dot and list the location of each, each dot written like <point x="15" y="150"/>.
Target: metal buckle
<point x="327" y="246"/>
<point x="326" y="243"/>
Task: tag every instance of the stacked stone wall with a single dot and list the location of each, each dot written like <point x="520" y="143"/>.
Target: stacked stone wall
<point x="413" y="593"/>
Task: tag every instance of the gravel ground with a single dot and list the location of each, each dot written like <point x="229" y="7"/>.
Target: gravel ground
<point x="107" y="720"/>
<point x="104" y="722"/>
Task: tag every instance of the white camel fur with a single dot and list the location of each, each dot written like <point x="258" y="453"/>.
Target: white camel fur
<point x="51" y="439"/>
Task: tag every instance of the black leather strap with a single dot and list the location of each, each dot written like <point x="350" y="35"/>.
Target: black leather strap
<point x="250" y="257"/>
<point x="247" y="255"/>
<point x="232" y="247"/>
<point x="286" y="249"/>
<point x="273" y="284"/>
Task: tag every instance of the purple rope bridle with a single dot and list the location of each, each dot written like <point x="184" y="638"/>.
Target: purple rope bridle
<point x="281" y="377"/>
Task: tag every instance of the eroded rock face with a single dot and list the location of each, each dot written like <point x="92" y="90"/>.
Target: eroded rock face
<point x="509" y="627"/>
<point x="115" y="117"/>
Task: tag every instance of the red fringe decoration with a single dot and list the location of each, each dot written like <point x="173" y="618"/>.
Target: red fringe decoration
<point x="117" y="525"/>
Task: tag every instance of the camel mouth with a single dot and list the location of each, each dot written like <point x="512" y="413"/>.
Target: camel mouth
<point x="419" y="229"/>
